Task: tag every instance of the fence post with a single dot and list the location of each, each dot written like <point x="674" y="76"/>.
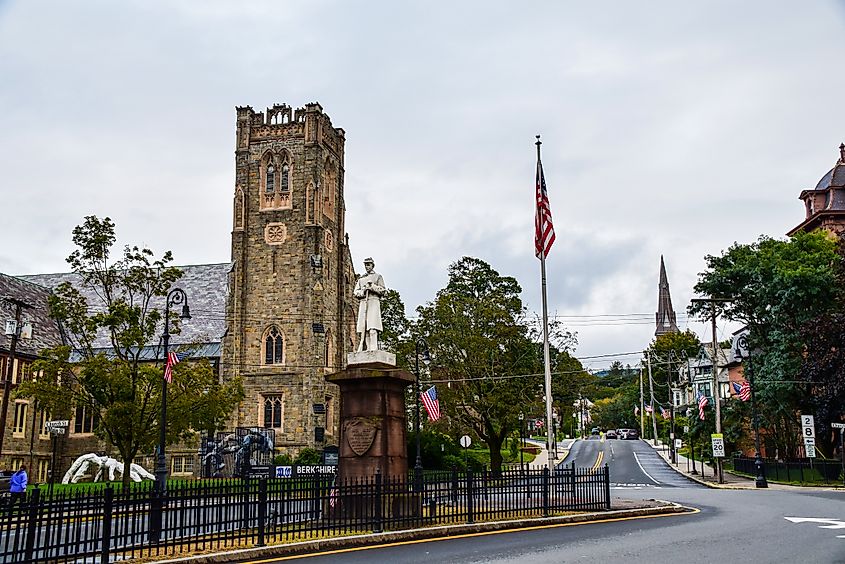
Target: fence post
<point x="572" y="465"/>
<point x="606" y="486"/>
<point x="470" y="501"/>
<point x="262" y="510"/>
<point x="546" y="491"/>
<point x="108" y="510"/>
<point x="32" y="525"/>
<point x="378" y="527"/>
<point x="455" y="485"/>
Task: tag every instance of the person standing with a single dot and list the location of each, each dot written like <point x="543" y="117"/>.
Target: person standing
<point x="17" y="487"/>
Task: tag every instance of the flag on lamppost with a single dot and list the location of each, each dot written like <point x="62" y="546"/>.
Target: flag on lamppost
<point x="743" y="391"/>
<point x="431" y="403"/>
<point x="702" y="403"/>
<point x="665" y="413"/>
<point x="173" y="358"/>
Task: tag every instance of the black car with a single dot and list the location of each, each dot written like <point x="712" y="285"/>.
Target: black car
<point x="630" y="434"/>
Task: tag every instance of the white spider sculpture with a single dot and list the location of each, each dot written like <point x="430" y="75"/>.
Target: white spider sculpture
<point x="80" y="467"/>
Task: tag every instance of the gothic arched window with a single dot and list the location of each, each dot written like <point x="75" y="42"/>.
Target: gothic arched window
<point x="274" y="347"/>
<point x="273" y="412"/>
<point x="285" y="181"/>
<point x="270" y="182"/>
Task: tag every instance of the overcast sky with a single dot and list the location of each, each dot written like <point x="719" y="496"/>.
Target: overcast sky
<point x="671" y="128"/>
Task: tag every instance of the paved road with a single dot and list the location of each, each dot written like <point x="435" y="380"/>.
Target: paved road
<point x="730" y="526"/>
<point x="633" y="464"/>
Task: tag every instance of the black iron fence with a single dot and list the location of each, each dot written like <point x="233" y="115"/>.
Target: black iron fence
<point x="108" y="524"/>
<point x="801" y="470"/>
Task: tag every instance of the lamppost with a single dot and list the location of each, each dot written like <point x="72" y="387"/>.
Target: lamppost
<point x="420" y="348"/>
<point x="521" y="440"/>
<point x="760" y="479"/>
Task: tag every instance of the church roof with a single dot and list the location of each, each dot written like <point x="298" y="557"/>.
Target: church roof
<point x="45" y="331"/>
<point x="206" y="286"/>
<point x="835" y="177"/>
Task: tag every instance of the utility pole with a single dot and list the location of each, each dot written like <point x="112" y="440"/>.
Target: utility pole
<point x="7" y="378"/>
<point x="672" y="454"/>
<point x="642" y="405"/>
<point x="651" y="397"/>
<point x="717" y="396"/>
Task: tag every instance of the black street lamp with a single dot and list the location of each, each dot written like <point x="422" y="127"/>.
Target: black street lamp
<point x="760" y="479"/>
<point x="420" y="348"/>
<point x="175" y="297"/>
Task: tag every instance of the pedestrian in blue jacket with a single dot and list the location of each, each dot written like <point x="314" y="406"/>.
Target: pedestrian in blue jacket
<point x="17" y="487"/>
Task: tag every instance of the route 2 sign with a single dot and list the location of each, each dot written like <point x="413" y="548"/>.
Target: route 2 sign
<point x="808" y="426"/>
<point x="718" y="440"/>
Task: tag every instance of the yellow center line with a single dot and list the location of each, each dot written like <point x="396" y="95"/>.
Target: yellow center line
<point x="691" y="511"/>
<point x="599" y="458"/>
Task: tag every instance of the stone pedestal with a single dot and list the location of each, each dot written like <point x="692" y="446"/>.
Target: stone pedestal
<point x="373" y="421"/>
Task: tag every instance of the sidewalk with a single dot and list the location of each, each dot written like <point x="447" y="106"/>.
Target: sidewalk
<point x="542" y="458"/>
<point x="706" y="474"/>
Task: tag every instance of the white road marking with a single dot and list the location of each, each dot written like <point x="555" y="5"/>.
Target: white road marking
<point x="637" y="458"/>
<point x="828" y="523"/>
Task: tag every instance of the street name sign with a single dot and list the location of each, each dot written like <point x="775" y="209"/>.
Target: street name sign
<point x="56" y="424"/>
<point x="837" y="425"/>
<point x="718" y="440"/>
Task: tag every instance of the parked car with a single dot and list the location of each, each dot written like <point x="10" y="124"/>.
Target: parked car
<point x="611" y="434"/>
<point x="5" y="480"/>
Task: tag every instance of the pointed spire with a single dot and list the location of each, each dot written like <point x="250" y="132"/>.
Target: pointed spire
<point x="665" y="317"/>
<point x="842" y="152"/>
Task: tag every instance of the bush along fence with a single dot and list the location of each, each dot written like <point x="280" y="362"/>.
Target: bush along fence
<point x="108" y="524"/>
<point x="802" y="470"/>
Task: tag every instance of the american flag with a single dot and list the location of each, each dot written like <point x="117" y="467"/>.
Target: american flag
<point x="333" y="496"/>
<point x="431" y="403"/>
<point x="544" y="231"/>
<point x="649" y="408"/>
<point x="745" y="391"/>
<point x="702" y="403"/>
<point x="173" y="358"/>
<point x="665" y="413"/>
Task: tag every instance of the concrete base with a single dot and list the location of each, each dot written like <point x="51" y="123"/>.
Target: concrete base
<point x="371" y="357"/>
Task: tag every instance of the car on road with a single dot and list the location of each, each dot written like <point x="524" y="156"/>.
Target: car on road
<point x="629" y="434"/>
<point x="595" y="431"/>
<point x="611" y="434"/>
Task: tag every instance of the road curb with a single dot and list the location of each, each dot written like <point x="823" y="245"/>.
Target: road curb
<point x="431" y="533"/>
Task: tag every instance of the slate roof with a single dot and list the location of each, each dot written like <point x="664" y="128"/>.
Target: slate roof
<point x="45" y="331"/>
<point x="206" y="286"/>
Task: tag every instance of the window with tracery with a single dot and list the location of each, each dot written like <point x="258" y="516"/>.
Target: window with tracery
<point x="273" y="412"/>
<point x="274" y="347"/>
<point x="285" y="180"/>
<point x="270" y="179"/>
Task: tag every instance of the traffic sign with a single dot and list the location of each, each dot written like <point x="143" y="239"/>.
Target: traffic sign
<point x="466" y="441"/>
<point x="811" y="450"/>
<point x="718" y="440"/>
<point x="837" y="425"/>
<point x="679" y="443"/>
<point x="808" y="427"/>
<point x="809" y="441"/>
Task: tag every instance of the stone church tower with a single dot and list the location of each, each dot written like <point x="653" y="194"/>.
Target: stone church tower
<point x="290" y="312"/>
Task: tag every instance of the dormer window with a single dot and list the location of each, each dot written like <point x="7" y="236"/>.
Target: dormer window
<point x="271" y="179"/>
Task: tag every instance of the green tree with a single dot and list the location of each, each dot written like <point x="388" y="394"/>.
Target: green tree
<point x="102" y="368"/>
<point x="483" y="345"/>
<point x="775" y="288"/>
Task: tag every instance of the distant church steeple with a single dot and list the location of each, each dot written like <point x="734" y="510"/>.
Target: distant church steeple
<point x="665" y="316"/>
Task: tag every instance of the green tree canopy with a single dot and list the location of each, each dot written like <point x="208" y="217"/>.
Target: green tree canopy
<point x="482" y="344"/>
<point x="112" y="382"/>
<point x="775" y="288"/>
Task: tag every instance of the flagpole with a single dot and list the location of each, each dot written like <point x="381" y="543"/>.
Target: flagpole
<point x="551" y="443"/>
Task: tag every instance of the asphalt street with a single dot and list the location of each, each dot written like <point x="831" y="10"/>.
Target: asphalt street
<point x="760" y="526"/>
